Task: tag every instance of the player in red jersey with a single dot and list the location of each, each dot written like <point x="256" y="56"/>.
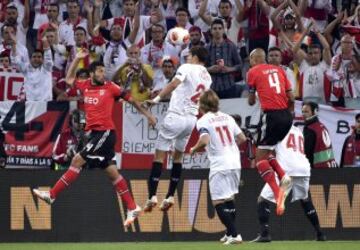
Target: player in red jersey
<point x="99" y="98"/>
<point x="276" y="101"/>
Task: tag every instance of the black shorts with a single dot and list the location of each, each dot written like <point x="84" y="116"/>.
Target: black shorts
<point x="273" y="127"/>
<point x="99" y="150"/>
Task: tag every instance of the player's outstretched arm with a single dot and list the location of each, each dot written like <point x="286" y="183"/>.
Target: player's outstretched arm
<point x="204" y="140"/>
<point x="240" y="139"/>
<point x="142" y="110"/>
<point x="164" y="92"/>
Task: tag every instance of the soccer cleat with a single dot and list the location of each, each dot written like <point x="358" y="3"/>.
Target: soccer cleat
<point x="43" y="195"/>
<point x="132" y="216"/>
<point x="233" y="240"/>
<point x="224" y="238"/>
<point x="283" y="192"/>
<point x="167" y="203"/>
<point x="262" y="239"/>
<point x="320" y="237"/>
<point x="150" y="204"/>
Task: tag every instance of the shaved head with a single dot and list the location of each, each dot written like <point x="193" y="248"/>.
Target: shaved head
<point x="257" y="56"/>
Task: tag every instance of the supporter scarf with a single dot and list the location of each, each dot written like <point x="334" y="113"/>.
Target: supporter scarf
<point x="155" y="50"/>
<point x="44" y="6"/>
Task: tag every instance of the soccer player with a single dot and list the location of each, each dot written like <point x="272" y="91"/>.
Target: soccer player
<point x="219" y="133"/>
<point x="190" y="80"/>
<point x="99" y="98"/>
<point x="276" y="100"/>
<point x="290" y="154"/>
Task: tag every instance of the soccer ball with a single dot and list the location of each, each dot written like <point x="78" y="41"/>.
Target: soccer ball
<point x="179" y="36"/>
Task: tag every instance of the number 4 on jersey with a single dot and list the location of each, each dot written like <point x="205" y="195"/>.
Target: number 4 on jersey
<point x="274" y="81"/>
<point x="296" y="145"/>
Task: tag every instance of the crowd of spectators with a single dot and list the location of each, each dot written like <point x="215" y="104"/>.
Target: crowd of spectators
<point x="318" y="42"/>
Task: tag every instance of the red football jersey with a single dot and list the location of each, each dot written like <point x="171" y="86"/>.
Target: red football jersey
<point x="99" y="102"/>
<point x="271" y="83"/>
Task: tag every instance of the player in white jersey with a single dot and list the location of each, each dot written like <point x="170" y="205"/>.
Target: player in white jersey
<point x="290" y="154"/>
<point x="220" y="134"/>
<point x="189" y="82"/>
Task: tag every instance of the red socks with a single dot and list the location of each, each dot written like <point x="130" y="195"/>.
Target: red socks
<point x="268" y="175"/>
<point x="69" y="177"/>
<point x="123" y="190"/>
<point x="276" y="166"/>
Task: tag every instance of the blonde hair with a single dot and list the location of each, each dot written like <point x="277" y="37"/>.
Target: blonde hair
<point x="209" y="101"/>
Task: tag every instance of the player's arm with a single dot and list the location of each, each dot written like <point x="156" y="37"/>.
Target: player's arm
<point x="202" y="142"/>
<point x="142" y="110"/>
<point x="165" y="91"/>
<point x="252" y="90"/>
<point x="291" y="100"/>
<point x="71" y="74"/>
<point x="240" y="138"/>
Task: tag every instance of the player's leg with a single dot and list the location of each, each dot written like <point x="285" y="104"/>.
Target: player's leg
<point x="154" y="179"/>
<point x="263" y="211"/>
<point x="121" y="187"/>
<point x="65" y="180"/>
<point x="301" y="192"/>
<point x="223" y="187"/>
<point x="181" y="131"/>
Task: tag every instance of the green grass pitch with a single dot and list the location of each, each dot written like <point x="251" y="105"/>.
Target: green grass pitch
<point x="276" y="245"/>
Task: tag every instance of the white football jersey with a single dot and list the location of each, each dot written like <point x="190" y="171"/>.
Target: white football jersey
<point x="195" y="79"/>
<point x="223" y="152"/>
<point x="290" y="154"/>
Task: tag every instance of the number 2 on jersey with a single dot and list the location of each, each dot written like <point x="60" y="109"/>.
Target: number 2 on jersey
<point x="221" y="131"/>
<point x="198" y="91"/>
<point x="296" y="145"/>
<point x="274" y="81"/>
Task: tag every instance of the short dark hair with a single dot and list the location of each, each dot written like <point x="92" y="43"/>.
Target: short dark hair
<point x="74" y="1"/>
<point x="201" y="53"/>
<point x="313" y="106"/>
<point x="81" y="72"/>
<point x="11" y="7"/>
<point x="209" y="101"/>
<point x="55" y="5"/>
<point x="274" y="49"/>
<point x="7" y="25"/>
<point x="314" y="46"/>
<point x="357" y="116"/>
<point x="94" y="65"/>
<point x="183" y="10"/>
<point x="38" y="51"/>
<point x="217" y="21"/>
<point x="225" y="1"/>
<point x="80" y="28"/>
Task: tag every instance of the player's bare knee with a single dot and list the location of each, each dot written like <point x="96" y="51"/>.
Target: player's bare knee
<point x="77" y="161"/>
<point x="178" y="156"/>
<point x="159" y="155"/>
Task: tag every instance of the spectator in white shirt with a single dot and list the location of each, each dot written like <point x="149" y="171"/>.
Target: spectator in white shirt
<point x="7" y="32"/>
<point x="67" y="27"/>
<point x="37" y="73"/>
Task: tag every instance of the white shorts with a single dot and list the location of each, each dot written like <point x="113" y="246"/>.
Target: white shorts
<point x="299" y="188"/>
<point x="224" y="184"/>
<point x="175" y="130"/>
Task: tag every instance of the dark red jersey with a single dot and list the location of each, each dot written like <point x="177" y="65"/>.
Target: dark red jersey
<point x="271" y="83"/>
<point x="99" y="102"/>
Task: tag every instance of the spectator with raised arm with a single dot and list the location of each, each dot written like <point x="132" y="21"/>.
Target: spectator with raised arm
<point x="312" y="67"/>
<point x="37" y="74"/>
<point x="134" y="75"/>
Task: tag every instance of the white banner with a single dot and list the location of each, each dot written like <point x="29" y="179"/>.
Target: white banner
<point x="138" y="138"/>
<point x="10" y="84"/>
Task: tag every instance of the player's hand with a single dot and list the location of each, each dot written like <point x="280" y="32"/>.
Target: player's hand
<point x="192" y="151"/>
<point x="152" y="121"/>
<point x="148" y="103"/>
<point x="2" y="162"/>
